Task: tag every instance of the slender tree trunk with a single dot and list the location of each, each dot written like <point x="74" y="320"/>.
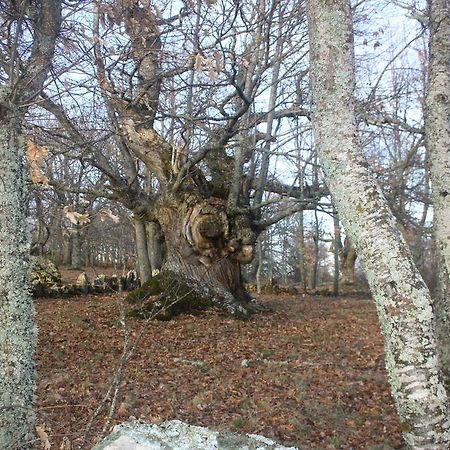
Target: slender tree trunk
<point x="154" y="246"/>
<point x="58" y="243"/>
<point x="316" y="239"/>
<point x="75" y="262"/>
<point x="437" y="129"/>
<point x="301" y="251"/>
<point x="269" y="256"/>
<point x="265" y="160"/>
<point x="142" y="250"/>
<point x="259" y="255"/>
<point x="402" y="298"/>
<point x="17" y="329"/>
<point x="284" y="265"/>
<point x="41" y="234"/>
<point x="337" y="245"/>
<point x="348" y="258"/>
<point x="270" y="277"/>
<point x="67" y="251"/>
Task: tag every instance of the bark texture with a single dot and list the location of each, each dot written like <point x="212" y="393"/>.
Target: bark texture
<point x="155" y="242"/>
<point x="27" y="72"/>
<point x="206" y="246"/>
<point x="206" y="241"/>
<point x="402" y="298"/>
<point x="347" y="256"/>
<point x="75" y="262"/>
<point x="142" y="249"/>
<point x="17" y="329"/>
<point x="437" y="130"/>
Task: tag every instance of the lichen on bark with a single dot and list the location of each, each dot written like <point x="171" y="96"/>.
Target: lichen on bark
<point x="437" y="137"/>
<point x="17" y="329"/>
<point x="402" y="298"/>
<point x="35" y="27"/>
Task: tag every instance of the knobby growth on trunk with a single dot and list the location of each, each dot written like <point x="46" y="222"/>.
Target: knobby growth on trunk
<point x="205" y="240"/>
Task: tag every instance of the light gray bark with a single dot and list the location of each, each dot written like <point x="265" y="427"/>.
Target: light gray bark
<point x="265" y="160"/>
<point x="75" y="262"/>
<point x="154" y="246"/>
<point x="402" y="298"/>
<point x="41" y="232"/>
<point x="142" y="250"/>
<point x="26" y="77"/>
<point x="337" y="244"/>
<point x="437" y="132"/>
<point x="17" y="329"/>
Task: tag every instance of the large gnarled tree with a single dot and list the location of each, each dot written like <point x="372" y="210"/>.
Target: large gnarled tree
<point x="195" y="188"/>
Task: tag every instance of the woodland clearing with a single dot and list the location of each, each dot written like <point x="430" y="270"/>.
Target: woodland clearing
<point x="310" y="373"/>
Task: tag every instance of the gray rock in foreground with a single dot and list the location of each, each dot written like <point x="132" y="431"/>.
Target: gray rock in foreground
<point x="176" y="435"/>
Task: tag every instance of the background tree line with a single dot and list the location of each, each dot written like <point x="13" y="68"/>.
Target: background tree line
<point x="207" y="71"/>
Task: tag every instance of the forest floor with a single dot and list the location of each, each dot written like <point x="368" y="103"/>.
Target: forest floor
<point x="309" y="374"/>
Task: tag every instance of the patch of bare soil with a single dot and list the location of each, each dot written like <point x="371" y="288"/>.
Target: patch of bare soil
<point x="310" y="374"/>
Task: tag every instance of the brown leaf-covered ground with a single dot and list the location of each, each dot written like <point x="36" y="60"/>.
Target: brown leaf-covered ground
<point x="310" y="374"/>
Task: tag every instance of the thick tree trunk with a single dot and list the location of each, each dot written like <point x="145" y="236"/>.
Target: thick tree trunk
<point x="402" y="298"/>
<point x="17" y="329"/>
<point x="437" y="130"/>
<point x="206" y="247"/>
<point x="143" y="261"/>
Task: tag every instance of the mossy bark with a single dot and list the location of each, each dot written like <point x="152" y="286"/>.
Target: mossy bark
<point x="167" y="295"/>
<point x="36" y="26"/>
<point x="206" y="246"/>
<point x="204" y="251"/>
